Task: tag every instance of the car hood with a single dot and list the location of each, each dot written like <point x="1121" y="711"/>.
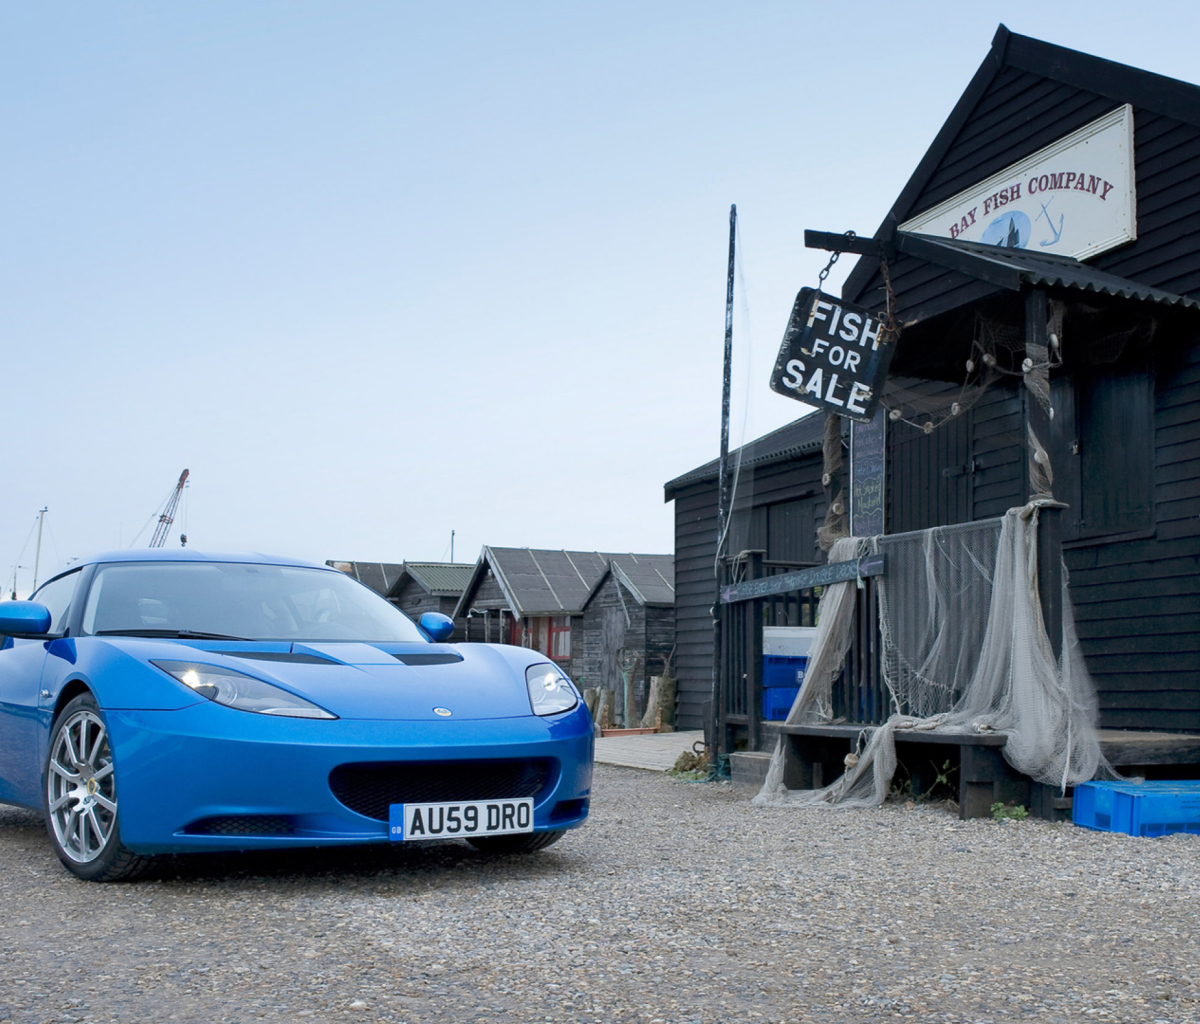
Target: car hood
<point x="368" y="681"/>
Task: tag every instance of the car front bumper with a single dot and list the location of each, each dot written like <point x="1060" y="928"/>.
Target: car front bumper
<point x="177" y="768"/>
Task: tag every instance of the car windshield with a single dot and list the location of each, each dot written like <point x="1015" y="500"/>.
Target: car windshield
<point x="239" y="601"/>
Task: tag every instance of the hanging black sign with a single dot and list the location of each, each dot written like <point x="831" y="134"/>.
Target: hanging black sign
<point x="835" y="355"/>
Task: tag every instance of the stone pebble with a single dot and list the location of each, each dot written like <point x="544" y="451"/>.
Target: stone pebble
<point x="675" y="904"/>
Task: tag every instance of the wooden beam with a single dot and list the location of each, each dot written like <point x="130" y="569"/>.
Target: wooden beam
<point x="821" y="576"/>
<point x="834" y="241"/>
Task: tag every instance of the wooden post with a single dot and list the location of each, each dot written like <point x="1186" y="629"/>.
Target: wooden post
<point x="754" y="656"/>
<point x="1049" y="535"/>
<point x="1037" y="420"/>
<point x="1050" y="580"/>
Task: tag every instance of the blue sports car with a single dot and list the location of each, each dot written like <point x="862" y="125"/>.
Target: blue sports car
<point x="164" y="702"/>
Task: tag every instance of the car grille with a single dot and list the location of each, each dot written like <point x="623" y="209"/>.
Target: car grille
<point x="370" y="788"/>
<point x="242" y="825"/>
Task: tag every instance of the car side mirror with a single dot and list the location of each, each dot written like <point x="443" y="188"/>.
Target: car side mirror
<point x="23" y="618"/>
<point x="437" y="626"/>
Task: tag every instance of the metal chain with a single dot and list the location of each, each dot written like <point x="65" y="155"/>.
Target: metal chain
<point x="832" y="260"/>
<point x="893" y="330"/>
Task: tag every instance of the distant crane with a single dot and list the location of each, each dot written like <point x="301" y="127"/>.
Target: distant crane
<point x="167" y="516"/>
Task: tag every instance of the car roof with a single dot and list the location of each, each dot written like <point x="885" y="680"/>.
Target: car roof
<point x="192" y="555"/>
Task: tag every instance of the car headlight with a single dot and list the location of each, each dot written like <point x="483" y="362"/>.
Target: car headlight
<point x="550" y="692"/>
<point x="238" y="690"/>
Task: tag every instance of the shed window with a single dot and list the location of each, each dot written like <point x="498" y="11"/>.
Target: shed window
<point x="790" y="533"/>
<point x="784" y="530"/>
<point x="560" y="636"/>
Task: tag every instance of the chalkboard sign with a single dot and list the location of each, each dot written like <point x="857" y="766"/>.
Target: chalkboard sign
<point x="868" y="470"/>
<point x="835" y="355"/>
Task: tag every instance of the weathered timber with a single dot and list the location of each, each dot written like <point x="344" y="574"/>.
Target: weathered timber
<point x="821" y="576"/>
<point x="1128" y="747"/>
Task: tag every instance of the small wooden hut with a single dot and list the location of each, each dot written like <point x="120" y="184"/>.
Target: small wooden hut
<point x="535" y="597"/>
<point x="431" y="587"/>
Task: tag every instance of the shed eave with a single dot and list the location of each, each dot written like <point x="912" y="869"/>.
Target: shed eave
<point x="696" y="476"/>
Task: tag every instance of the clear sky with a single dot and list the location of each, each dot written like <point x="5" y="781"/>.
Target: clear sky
<point x="376" y="271"/>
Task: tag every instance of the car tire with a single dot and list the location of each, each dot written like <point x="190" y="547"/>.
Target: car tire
<point x="529" y="842"/>
<point x="80" y="791"/>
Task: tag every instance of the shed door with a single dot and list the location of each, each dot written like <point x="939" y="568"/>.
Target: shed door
<point x="1102" y="451"/>
<point x="612" y="639"/>
<point x="1117" y="454"/>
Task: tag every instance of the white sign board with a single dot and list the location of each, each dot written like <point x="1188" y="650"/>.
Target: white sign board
<point x="1077" y="197"/>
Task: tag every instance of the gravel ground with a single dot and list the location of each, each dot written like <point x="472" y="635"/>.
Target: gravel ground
<point x="676" y="903"/>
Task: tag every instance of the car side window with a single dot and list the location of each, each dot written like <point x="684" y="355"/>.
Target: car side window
<point x="56" y="595"/>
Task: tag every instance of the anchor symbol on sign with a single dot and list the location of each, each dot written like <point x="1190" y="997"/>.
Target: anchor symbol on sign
<point x="1046" y="213"/>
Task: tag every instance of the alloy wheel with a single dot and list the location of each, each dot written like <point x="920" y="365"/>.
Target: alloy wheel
<point x="81" y="794"/>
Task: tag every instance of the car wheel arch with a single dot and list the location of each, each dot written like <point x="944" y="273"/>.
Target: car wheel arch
<point x="71" y="689"/>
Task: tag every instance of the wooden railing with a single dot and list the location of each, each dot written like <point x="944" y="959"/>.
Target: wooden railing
<point x="757" y="593"/>
<point x="859" y="694"/>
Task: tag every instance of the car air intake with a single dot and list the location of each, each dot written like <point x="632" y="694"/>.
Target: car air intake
<point x="420" y="658"/>
<point x="242" y="825"/>
<point x="371" y="787"/>
<point x="290" y="657"/>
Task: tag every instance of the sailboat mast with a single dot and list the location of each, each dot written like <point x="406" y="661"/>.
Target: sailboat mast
<point x="37" y="557"/>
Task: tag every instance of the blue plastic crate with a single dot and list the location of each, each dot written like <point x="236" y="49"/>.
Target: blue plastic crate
<point x="784" y="670"/>
<point x="1138" y="809"/>
<point x="777" y="702"/>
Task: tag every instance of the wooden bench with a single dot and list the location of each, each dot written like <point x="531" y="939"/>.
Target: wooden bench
<point x="814" y="756"/>
<point x="1129" y="748"/>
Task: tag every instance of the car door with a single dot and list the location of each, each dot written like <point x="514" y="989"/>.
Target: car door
<point x="21" y="665"/>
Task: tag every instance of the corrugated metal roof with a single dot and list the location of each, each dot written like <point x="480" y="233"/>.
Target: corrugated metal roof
<point x="803" y="435"/>
<point x="538" y="581"/>
<point x="379" y="576"/>
<point x="448" y="579"/>
<point x="650" y="578"/>
<point x="1046" y="269"/>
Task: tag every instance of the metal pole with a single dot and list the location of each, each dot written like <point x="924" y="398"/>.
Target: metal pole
<point x="451" y="547"/>
<point x="37" y="558"/>
<point x="723" y="510"/>
<point x="723" y="466"/>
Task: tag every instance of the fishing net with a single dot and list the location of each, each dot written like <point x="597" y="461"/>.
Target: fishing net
<point x="999" y="355"/>
<point x="964" y="648"/>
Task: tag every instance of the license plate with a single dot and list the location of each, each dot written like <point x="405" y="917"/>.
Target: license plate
<point x="459" y="820"/>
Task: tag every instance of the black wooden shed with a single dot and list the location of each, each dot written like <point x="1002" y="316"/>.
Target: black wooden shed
<point x="1053" y="226"/>
<point x="628" y="628"/>
<point x="1125" y="438"/>
<point x="778" y="503"/>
